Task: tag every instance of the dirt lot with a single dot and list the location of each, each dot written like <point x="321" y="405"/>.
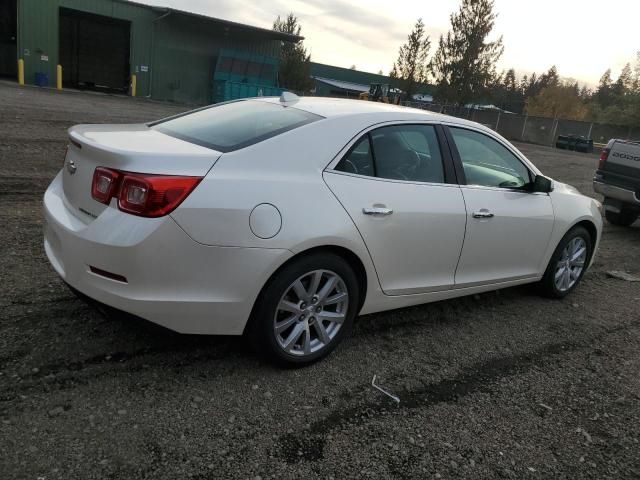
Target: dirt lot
<point x="502" y="385"/>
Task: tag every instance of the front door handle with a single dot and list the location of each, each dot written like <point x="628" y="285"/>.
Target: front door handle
<point x="377" y="211"/>
<point x="482" y="213"/>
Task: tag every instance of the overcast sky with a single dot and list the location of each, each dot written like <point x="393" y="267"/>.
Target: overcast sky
<point x="582" y="38"/>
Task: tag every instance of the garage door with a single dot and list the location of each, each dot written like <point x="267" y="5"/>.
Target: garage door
<point x="94" y="50"/>
<point x="8" y="57"/>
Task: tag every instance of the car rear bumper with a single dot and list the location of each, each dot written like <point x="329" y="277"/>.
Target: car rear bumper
<point x="161" y="274"/>
<point x="615" y="192"/>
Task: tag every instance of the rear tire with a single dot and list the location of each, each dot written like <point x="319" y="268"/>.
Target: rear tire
<point x="305" y="310"/>
<point x="568" y="264"/>
<point x="622" y="218"/>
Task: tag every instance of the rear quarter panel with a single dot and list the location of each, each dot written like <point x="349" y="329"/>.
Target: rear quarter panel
<point x="286" y="172"/>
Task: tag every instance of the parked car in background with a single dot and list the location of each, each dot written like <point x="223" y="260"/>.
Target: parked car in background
<point x="618" y="179"/>
<point x="285" y="218"/>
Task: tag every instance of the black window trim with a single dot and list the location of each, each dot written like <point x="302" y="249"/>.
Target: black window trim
<point x="445" y="155"/>
<point x="459" y="168"/>
<point x="373" y="154"/>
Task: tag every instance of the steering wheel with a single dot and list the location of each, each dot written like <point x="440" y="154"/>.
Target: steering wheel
<point x="407" y="169"/>
<point x="352" y="165"/>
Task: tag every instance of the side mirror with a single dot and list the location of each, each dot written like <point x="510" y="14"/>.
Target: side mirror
<point x="542" y="184"/>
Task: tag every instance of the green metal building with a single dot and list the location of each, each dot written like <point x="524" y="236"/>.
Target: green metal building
<point x="332" y="81"/>
<point x="175" y="55"/>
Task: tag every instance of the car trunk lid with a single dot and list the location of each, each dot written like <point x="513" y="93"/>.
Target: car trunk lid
<point x="131" y="148"/>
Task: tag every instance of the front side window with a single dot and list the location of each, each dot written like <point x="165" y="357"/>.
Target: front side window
<point x="399" y="152"/>
<point x="487" y="162"/>
<point x="234" y="125"/>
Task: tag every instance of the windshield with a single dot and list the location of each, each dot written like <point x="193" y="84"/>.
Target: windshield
<point x="234" y="125"/>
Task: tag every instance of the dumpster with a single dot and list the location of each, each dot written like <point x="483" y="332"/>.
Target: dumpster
<point x="584" y="145"/>
<point x="577" y="143"/>
<point x="225" y="90"/>
<point x="242" y="74"/>
<point x="562" y="142"/>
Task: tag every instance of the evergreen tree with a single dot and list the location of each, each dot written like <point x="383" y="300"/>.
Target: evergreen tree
<point x="524" y="84"/>
<point x="295" y="63"/>
<point x="550" y="78"/>
<point x="465" y="62"/>
<point x="509" y="81"/>
<point x="604" y="94"/>
<point x="411" y="67"/>
<point x="585" y="93"/>
<point x="635" y="85"/>
<point x="624" y="84"/>
<point x="534" y="86"/>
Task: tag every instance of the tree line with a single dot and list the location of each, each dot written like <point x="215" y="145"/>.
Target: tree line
<point x="548" y="95"/>
<point x="463" y="70"/>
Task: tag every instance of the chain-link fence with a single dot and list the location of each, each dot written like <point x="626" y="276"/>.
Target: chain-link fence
<point x="539" y="130"/>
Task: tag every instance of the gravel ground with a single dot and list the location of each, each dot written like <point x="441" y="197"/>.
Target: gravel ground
<point x="502" y="385"/>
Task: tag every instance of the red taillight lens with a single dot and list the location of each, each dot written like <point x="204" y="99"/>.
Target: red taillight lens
<point x="153" y="195"/>
<point x="105" y="184"/>
<point x="603" y="158"/>
<point x="140" y="194"/>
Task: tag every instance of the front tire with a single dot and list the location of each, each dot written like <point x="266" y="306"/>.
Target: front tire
<point x="568" y="263"/>
<point x="305" y="310"/>
<point x="621" y="219"/>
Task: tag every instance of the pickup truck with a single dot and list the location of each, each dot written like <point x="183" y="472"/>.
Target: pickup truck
<point x="618" y="179"/>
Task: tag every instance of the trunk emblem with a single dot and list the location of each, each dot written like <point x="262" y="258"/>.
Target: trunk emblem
<point x="71" y="167"/>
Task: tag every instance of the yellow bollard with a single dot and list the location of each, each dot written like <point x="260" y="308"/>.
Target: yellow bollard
<point x="59" y="77"/>
<point x="20" y="71"/>
<point x="133" y="85"/>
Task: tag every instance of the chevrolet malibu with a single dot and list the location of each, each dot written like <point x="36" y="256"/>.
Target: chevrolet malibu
<point x="284" y="218"/>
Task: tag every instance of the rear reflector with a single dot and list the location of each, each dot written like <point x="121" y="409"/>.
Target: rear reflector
<point x="140" y="194"/>
<point x="109" y="275"/>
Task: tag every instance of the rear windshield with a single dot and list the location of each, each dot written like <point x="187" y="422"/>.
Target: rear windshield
<point x="234" y="125"/>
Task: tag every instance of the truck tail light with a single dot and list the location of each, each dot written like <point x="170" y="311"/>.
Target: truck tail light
<point x="604" y="155"/>
<point x="141" y="194"/>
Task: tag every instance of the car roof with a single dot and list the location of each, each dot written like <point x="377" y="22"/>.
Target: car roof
<point x="329" y="107"/>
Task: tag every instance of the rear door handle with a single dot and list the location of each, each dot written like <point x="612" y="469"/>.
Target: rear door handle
<point x="377" y="211"/>
<point x="483" y="213"/>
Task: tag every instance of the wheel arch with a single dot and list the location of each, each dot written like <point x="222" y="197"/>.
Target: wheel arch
<point x="346" y="254"/>
<point x="591" y="229"/>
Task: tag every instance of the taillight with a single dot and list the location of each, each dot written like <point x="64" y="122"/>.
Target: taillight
<point x="105" y="184"/>
<point x="604" y="155"/>
<point x="141" y="194"/>
<point x="153" y="195"/>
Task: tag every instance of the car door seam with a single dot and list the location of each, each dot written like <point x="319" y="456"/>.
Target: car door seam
<point x="464" y="236"/>
<point x="357" y="229"/>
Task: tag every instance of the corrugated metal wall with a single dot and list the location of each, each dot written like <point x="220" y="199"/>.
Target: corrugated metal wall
<point x="38" y="33"/>
<point x="186" y="50"/>
<point x="173" y="56"/>
<point x="355" y="76"/>
<point x="346" y="74"/>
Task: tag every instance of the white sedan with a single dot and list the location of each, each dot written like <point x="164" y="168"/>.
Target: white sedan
<point x="285" y="218"/>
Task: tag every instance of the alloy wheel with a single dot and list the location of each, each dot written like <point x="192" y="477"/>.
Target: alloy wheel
<point x="311" y="312"/>
<point x="571" y="263"/>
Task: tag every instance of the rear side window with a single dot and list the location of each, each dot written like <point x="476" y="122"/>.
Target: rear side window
<point x="359" y="160"/>
<point x="231" y="126"/>
<point x="399" y="152"/>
